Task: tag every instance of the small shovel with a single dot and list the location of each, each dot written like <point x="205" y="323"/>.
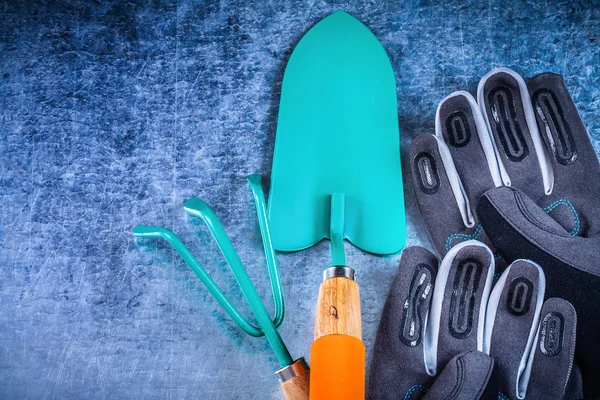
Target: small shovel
<point x="337" y="175"/>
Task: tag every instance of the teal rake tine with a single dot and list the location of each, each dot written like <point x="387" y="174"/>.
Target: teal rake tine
<point x="254" y="181"/>
<point x="268" y="327"/>
<point x="158" y="232"/>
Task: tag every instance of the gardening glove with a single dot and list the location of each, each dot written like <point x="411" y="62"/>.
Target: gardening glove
<point x="405" y="363"/>
<point x="439" y="327"/>
<point x="517" y="170"/>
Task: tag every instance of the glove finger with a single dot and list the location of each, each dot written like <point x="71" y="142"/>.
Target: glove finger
<point x="552" y="363"/>
<point x="460" y="124"/>
<point x="511" y="324"/>
<point x="465" y="377"/>
<point x="519" y="228"/>
<point x="505" y="104"/>
<point x="397" y="366"/>
<point x="456" y="321"/>
<point x="574" y="161"/>
<point x="440" y="195"/>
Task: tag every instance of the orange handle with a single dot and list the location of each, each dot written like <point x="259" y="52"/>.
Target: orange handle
<point x="337" y="368"/>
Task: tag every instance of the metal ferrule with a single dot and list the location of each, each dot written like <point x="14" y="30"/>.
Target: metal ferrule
<point x="293" y="370"/>
<point x="339" y="272"/>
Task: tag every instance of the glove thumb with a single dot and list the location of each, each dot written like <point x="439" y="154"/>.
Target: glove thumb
<point x="519" y="228"/>
<point x="464" y="377"/>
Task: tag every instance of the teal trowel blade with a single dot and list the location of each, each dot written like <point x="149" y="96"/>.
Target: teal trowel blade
<point x="337" y="132"/>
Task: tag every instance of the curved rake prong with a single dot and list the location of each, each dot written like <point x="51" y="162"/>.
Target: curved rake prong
<point x="202" y="210"/>
<point x="254" y="181"/>
<point x="268" y="327"/>
<point x="164" y="233"/>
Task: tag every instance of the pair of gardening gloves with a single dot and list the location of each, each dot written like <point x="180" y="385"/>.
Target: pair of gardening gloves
<point x="509" y="189"/>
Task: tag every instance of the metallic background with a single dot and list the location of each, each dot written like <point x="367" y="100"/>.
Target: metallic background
<point x="113" y="113"/>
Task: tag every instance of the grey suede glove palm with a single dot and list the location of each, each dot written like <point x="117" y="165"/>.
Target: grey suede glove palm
<point x="446" y="334"/>
<point x="516" y="170"/>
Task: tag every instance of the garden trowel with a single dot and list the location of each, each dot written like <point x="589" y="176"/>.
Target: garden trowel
<point x="336" y="167"/>
<point x="337" y="175"/>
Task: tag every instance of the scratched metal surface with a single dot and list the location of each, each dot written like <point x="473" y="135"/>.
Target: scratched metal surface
<point x="114" y="113"/>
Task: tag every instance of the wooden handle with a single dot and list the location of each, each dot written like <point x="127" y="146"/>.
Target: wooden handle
<point x="297" y="388"/>
<point x="338" y="309"/>
<point x="295" y="380"/>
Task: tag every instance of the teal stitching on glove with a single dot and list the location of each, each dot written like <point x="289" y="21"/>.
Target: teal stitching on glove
<point x="413" y="389"/>
<point x="551" y="207"/>
<point x="463" y="236"/>
<point x="548" y="210"/>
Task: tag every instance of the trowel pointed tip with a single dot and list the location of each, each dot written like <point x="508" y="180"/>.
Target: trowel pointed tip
<point x="341" y="15"/>
<point x="336" y="31"/>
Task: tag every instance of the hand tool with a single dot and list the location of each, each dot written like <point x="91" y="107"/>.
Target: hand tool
<point x="337" y="175"/>
<point x="294" y="375"/>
